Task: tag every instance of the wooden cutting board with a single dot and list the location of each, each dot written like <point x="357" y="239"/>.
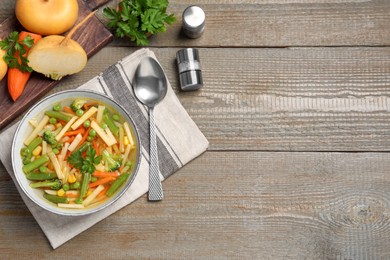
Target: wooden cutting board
<point x="92" y="36"/>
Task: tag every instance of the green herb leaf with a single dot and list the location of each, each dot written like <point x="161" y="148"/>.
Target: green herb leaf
<point x="87" y="164"/>
<point x="76" y="159"/>
<point x="16" y="50"/>
<point x="137" y="19"/>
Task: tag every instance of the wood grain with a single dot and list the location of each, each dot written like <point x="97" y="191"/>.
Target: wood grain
<point x="6" y="8"/>
<point x="92" y="36"/>
<point x="293" y="99"/>
<point x="254" y="205"/>
<point x="281" y="23"/>
<point x="94" y="4"/>
<point x="298" y="164"/>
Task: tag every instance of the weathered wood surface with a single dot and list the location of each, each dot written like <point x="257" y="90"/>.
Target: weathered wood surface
<point x="298" y="166"/>
<point x="298" y="99"/>
<point x="282" y="23"/>
<point x="253" y="205"/>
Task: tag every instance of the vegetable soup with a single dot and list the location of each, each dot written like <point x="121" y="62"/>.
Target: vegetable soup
<point x="79" y="153"/>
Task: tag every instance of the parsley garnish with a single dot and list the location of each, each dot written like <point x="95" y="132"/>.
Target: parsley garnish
<point x="15" y="55"/>
<point x="137" y="19"/>
<point x="87" y="164"/>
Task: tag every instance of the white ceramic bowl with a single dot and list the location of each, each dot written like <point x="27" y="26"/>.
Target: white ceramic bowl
<point x="25" y="128"/>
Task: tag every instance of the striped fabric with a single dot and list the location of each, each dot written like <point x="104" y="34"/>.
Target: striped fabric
<point x="178" y="140"/>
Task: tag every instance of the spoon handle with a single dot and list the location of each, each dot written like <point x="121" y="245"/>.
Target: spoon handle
<point x="155" y="187"/>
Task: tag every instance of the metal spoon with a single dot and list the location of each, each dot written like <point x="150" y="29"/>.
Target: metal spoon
<point x="150" y="87"/>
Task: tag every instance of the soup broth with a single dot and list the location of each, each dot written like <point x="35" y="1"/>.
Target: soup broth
<point x="79" y="153"/>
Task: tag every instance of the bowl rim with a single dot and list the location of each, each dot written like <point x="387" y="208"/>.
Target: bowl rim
<point x="38" y="201"/>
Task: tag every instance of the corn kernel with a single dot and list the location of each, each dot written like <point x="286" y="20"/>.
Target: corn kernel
<point x="126" y="140"/>
<point x="58" y="125"/>
<point x="60" y="192"/>
<point x="71" y="178"/>
<point x="37" y="151"/>
<point x="89" y="192"/>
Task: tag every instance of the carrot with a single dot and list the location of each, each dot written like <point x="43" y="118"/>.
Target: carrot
<point x="95" y="146"/>
<point x="67" y="155"/>
<point x="84" y="137"/>
<point x="103" y="192"/>
<point x="86" y="106"/>
<point x="105" y="174"/>
<point x="17" y="79"/>
<point x="63" y="123"/>
<point x="71" y="195"/>
<point x="101" y="181"/>
<point x="68" y="110"/>
<point x="70" y="140"/>
<point x="81" y="130"/>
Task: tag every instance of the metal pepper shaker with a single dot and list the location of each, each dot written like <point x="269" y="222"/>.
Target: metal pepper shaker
<point x="193" y="21"/>
<point x="190" y="73"/>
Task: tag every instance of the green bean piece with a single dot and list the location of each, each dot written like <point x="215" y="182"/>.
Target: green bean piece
<point x="32" y="176"/>
<point x="26" y="153"/>
<point x="34" y="143"/>
<point x="79" y="201"/>
<point x="55" y="199"/>
<point x="36" y="163"/>
<point x="58" y="115"/>
<point x="93" y="179"/>
<point x="84" y="185"/>
<point x="82" y="148"/>
<point x="117" y="183"/>
<point x="43" y="169"/>
<point x="110" y="124"/>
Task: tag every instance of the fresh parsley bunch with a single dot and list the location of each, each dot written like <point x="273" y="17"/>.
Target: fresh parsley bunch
<point x="15" y="51"/>
<point x="86" y="165"/>
<point x="137" y="19"/>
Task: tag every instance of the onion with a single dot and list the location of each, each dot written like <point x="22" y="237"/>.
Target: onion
<point x="56" y="56"/>
<point x="56" y="59"/>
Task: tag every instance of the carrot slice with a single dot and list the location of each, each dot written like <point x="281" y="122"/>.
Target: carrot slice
<point x="71" y="195"/>
<point x="105" y="174"/>
<point x="103" y="192"/>
<point x="86" y="106"/>
<point x="95" y="146"/>
<point x="68" y="110"/>
<point x="81" y="130"/>
<point x="101" y="181"/>
<point x="84" y="137"/>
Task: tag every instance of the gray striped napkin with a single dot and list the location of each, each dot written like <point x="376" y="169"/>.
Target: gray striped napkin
<point x="178" y="138"/>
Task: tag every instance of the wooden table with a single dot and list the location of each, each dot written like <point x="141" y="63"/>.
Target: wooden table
<point x="296" y="106"/>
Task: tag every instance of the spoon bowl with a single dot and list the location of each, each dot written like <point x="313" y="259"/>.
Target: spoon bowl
<point x="150" y="87"/>
<point x="150" y="83"/>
